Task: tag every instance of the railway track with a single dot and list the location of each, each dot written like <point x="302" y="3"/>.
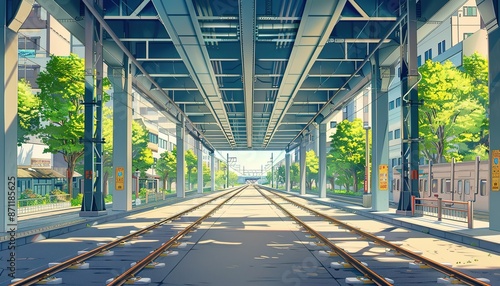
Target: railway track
<point x="375" y="273"/>
<point x="47" y="276"/>
<point x="341" y="249"/>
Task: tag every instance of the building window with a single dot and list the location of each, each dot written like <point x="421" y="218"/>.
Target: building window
<point x="398" y="102"/>
<point x="428" y="54"/>
<point x="466" y="35"/>
<point x="153" y="138"/>
<point x="470" y="11"/>
<point x="441" y="47"/>
<point x="397" y="133"/>
<point x="467" y="187"/>
<point x="482" y="187"/>
<point x="391" y="105"/>
<point x="30" y="73"/>
<point x="419" y="60"/>
<point x="391" y="135"/>
<point x="29" y="43"/>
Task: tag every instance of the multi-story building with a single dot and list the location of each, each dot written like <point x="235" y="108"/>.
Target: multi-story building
<point x="42" y="36"/>
<point x="461" y="35"/>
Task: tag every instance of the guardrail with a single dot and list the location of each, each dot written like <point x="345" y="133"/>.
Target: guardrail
<point x="43" y="203"/>
<point x="452" y="210"/>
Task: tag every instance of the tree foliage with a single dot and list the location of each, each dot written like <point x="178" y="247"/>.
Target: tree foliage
<point x="62" y="87"/>
<point x="191" y="162"/>
<point x="28" y="109"/>
<point x="312" y="167"/>
<point x="347" y="154"/>
<point x="476" y="70"/>
<point x="450" y="115"/>
<point x="166" y="167"/>
<point x="142" y="156"/>
<point x="294" y="174"/>
<point x="207" y="175"/>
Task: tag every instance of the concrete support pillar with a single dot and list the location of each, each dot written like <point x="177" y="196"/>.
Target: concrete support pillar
<point x="494" y="88"/>
<point x="303" y="166"/>
<point x="121" y="80"/>
<point x="8" y="119"/>
<point x="380" y="142"/>
<point x="287" y="172"/>
<point x="199" y="151"/>
<point x="212" y="171"/>
<point x="322" y="161"/>
<point x="181" y="163"/>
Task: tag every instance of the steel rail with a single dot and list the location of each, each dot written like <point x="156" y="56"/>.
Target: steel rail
<point x="132" y="271"/>
<point x="376" y="278"/>
<point x="44" y="274"/>
<point x="469" y="280"/>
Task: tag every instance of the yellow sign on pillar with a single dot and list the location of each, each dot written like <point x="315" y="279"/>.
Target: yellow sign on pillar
<point x="120" y="178"/>
<point x="495" y="170"/>
<point x="383" y="177"/>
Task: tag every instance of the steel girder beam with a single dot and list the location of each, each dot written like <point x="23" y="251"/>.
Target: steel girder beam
<point x="161" y="99"/>
<point x="437" y="12"/>
<point x="319" y="117"/>
<point x="181" y="23"/>
<point x="317" y="23"/>
<point x="247" y="44"/>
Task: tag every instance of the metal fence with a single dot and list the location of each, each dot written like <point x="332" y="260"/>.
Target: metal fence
<point x="437" y="207"/>
<point x="44" y="203"/>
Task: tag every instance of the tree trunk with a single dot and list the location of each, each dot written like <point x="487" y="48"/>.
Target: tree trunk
<point x="355" y="180"/>
<point x="332" y="182"/>
<point x="71" y="170"/>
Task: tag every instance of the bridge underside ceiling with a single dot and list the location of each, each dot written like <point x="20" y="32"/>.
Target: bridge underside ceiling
<point x="250" y="75"/>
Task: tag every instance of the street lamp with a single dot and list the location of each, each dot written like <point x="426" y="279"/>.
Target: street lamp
<point x="367" y="160"/>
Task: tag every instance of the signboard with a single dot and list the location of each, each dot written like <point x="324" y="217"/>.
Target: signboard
<point x="120" y="178"/>
<point x="495" y="171"/>
<point x="383" y="177"/>
<point x="40" y="163"/>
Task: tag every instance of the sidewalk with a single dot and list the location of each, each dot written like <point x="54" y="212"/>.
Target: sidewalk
<point x="480" y="236"/>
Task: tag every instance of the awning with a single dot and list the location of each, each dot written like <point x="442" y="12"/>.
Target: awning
<point x="38" y="173"/>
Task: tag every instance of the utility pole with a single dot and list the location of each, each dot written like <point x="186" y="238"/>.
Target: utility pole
<point x="227" y="171"/>
<point x="272" y="170"/>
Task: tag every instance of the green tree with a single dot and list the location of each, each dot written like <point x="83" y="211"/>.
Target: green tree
<point x="166" y="167"/>
<point x="28" y="109"/>
<point x="294" y="174"/>
<point x="62" y="87"/>
<point x="269" y="177"/>
<point x="330" y="170"/>
<point x="142" y="156"/>
<point x="449" y="115"/>
<point x="233" y="178"/>
<point x="281" y="174"/>
<point x="207" y="176"/>
<point x="220" y="175"/>
<point x="348" y="153"/>
<point x="191" y="163"/>
<point x="476" y="70"/>
<point x="312" y="167"/>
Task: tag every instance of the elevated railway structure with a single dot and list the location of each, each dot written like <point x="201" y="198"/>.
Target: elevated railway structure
<point x="241" y="75"/>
